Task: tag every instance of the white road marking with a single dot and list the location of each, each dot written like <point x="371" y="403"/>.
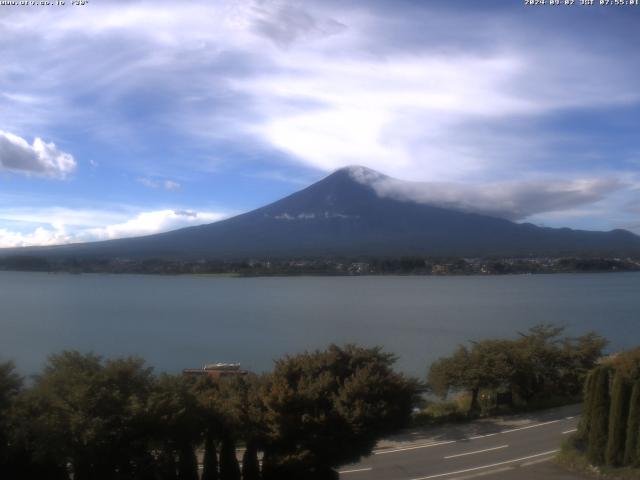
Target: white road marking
<point x="416" y="447"/>
<point x="427" y="445"/>
<point x="356" y="470"/>
<point x="536" y="461"/>
<point x="477" y="451"/>
<point x="569" y="418"/>
<point x="484" y="474"/>
<point x="486" y="466"/>
<point x="530" y="426"/>
<point x="483" y="436"/>
<point x="570" y="431"/>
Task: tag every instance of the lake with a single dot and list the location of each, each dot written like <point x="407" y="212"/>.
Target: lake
<point x="176" y="322"/>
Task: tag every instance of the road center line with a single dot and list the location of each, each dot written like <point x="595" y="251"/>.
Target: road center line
<point x="477" y="451"/>
<point x="427" y="445"/>
<point x="416" y="447"/>
<point x="368" y="469"/>
<point x="486" y="466"/>
<point x="483" y="436"/>
<point x="530" y="426"/>
<point x="570" y="431"/>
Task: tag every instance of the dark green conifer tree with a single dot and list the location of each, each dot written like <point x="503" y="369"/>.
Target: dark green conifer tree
<point x="167" y="465"/>
<point x="632" y="446"/>
<point x="250" y="464"/>
<point x="10" y="385"/>
<point x="618" y="415"/>
<point x="583" y="426"/>
<point x="210" y="461"/>
<point x="268" y="468"/>
<point x="229" y="468"/>
<point x="187" y="463"/>
<point x="599" y="417"/>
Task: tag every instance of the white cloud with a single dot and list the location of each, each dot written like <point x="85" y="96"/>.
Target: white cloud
<point x="320" y="81"/>
<point x="147" y="182"/>
<point x="40" y="236"/>
<point x="70" y="229"/>
<point x="39" y="158"/>
<point x="171" y="185"/>
<point x="166" y="184"/>
<point x="514" y="200"/>
<point x="426" y="114"/>
<point x="472" y="95"/>
<point x="148" y="223"/>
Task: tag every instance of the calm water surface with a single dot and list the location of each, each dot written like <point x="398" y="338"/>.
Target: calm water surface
<point x="178" y="322"/>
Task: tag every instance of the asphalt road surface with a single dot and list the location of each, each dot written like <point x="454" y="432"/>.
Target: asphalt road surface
<point x="518" y="447"/>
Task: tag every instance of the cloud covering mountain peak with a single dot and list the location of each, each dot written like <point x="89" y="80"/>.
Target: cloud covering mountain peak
<point x="512" y="200"/>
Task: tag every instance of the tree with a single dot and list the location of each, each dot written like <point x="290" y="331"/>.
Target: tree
<point x="599" y="422"/>
<point x="10" y="386"/>
<point x="210" y="461"/>
<point x="178" y="422"/>
<point x="89" y="414"/>
<point x="250" y="464"/>
<point x="577" y="357"/>
<point x="166" y="465"/>
<point x="627" y="363"/>
<point x="187" y="462"/>
<point x="235" y="411"/>
<point x="229" y="468"/>
<point x="489" y="364"/>
<point x="587" y="406"/>
<point x="632" y="445"/>
<point x="539" y="365"/>
<point x="620" y="396"/>
<point x="327" y="408"/>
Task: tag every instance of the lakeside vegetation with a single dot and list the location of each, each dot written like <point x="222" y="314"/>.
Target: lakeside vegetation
<point x="91" y="418"/>
<point x="539" y="369"/>
<point x="325" y="266"/>
<point x="608" y="438"/>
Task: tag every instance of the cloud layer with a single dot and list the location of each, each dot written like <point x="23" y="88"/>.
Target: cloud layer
<point x="498" y="109"/>
<point x="423" y="92"/>
<point x="81" y="226"/>
<point x="515" y="200"/>
<point x="38" y="158"/>
<point x="166" y="184"/>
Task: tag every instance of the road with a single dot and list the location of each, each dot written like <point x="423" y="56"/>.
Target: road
<point x="517" y="447"/>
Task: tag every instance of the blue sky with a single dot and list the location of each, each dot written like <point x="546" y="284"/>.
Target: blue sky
<point x="128" y="118"/>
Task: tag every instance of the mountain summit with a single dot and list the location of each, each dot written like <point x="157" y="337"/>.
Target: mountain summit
<point x="342" y="215"/>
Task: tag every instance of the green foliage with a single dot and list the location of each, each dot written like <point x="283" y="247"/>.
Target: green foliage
<point x="176" y="413"/>
<point x="229" y="467"/>
<point x="166" y="466"/>
<point x="250" y="464"/>
<point x="488" y="364"/>
<point x="611" y="416"/>
<point x="187" y="463"/>
<point x="627" y="364"/>
<point x="210" y="460"/>
<point x="537" y="367"/>
<point x="89" y="414"/>
<point x="10" y="385"/>
<point x="620" y="396"/>
<point x="632" y="445"/>
<point x="327" y="408"/>
<point x="599" y="422"/>
<point x="89" y="418"/>
<point x="587" y="406"/>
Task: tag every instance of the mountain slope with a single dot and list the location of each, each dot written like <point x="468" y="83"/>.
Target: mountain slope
<point x="342" y="216"/>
